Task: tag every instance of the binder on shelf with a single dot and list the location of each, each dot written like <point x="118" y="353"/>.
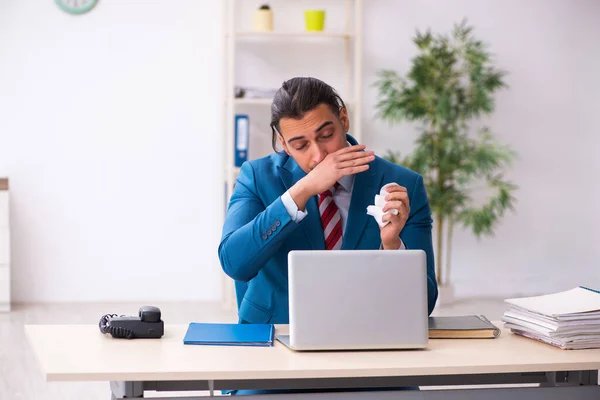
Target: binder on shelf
<point x="242" y="137"/>
<point x="215" y="334"/>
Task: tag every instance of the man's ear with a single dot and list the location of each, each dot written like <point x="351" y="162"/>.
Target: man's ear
<point x="283" y="144"/>
<point x="344" y="119"/>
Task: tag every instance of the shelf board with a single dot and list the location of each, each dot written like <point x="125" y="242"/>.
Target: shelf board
<point x="267" y="101"/>
<point x="290" y="35"/>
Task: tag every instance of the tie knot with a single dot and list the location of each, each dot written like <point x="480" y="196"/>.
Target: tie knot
<point x="325" y="194"/>
<point x="329" y="192"/>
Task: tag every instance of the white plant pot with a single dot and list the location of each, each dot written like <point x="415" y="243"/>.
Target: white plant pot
<point x="446" y="294"/>
<point x="445" y="268"/>
<point x="263" y="21"/>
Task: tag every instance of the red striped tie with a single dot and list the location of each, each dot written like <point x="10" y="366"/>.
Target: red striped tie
<point x="331" y="220"/>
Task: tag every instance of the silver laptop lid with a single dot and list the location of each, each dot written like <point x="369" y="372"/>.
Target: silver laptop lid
<point x="358" y="299"/>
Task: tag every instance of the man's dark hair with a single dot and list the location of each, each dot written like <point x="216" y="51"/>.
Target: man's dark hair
<point x="298" y="96"/>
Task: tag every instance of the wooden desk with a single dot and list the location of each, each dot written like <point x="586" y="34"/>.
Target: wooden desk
<point x="82" y="353"/>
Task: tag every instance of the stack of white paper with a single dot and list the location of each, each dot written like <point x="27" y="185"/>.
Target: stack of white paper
<point x="569" y="320"/>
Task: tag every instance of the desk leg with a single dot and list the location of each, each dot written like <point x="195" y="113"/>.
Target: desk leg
<point x="126" y="389"/>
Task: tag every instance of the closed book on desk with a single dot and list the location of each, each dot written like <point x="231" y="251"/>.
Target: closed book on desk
<point x="462" y="327"/>
<point x="229" y="334"/>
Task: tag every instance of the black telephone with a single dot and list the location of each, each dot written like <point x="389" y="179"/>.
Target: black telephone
<point x="146" y="325"/>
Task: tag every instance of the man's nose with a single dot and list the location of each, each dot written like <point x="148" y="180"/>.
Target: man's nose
<point x="319" y="154"/>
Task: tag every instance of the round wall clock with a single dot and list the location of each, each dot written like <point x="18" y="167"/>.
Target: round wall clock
<point x="76" y="6"/>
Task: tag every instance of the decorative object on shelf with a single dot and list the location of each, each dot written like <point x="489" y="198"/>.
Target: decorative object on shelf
<point x="263" y="19"/>
<point x="254" y="93"/>
<point x="314" y="20"/>
<point x="76" y="7"/>
<point x="450" y="84"/>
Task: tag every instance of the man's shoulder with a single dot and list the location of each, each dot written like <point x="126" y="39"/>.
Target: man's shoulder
<point x="264" y="168"/>
<point x="271" y="162"/>
<point x="388" y="168"/>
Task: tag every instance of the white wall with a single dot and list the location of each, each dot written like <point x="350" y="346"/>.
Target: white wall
<point x="549" y="116"/>
<point x="108" y="125"/>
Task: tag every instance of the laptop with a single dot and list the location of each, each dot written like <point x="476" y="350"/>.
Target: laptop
<point x="357" y="300"/>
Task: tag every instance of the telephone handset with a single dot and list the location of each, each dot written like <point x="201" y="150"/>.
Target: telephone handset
<point x="146" y="325"/>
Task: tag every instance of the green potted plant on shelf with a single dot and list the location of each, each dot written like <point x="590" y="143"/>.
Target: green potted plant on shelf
<point x="450" y="84"/>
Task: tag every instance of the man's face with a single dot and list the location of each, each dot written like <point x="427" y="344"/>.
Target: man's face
<point x="310" y="139"/>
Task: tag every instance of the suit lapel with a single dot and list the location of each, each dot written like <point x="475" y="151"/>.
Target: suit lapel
<point x="311" y="224"/>
<point x="363" y="195"/>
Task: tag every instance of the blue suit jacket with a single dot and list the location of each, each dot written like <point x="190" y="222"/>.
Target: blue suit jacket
<point x="258" y="232"/>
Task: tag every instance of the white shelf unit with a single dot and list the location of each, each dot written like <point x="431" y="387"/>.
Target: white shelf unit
<point x="267" y="102"/>
<point x="4" y="247"/>
<point x="349" y="37"/>
<point x="288" y="35"/>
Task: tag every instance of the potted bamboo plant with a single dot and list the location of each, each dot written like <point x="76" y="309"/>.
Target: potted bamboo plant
<point x="450" y="84"/>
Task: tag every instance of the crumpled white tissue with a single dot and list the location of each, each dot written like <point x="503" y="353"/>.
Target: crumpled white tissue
<point x="377" y="210"/>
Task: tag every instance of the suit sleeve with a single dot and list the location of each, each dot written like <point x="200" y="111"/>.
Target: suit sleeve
<point x="417" y="235"/>
<point x="252" y="233"/>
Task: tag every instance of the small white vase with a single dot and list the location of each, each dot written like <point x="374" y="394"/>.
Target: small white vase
<point x="263" y="20"/>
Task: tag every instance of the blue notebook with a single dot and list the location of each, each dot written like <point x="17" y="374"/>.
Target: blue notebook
<point x="229" y="334"/>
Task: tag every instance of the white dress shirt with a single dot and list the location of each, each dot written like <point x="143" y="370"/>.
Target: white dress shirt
<point x="341" y="196"/>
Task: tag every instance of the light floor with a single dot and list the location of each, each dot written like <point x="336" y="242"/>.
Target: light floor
<point x="21" y="378"/>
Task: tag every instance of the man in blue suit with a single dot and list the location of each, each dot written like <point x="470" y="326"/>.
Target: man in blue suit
<point x="313" y="196"/>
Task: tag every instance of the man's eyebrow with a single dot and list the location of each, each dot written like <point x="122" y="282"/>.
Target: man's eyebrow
<point x="323" y="125"/>
<point x="295" y="138"/>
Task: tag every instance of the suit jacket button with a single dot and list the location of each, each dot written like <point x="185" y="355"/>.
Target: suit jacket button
<point x="264" y="237"/>
<point x="274" y="227"/>
<point x="277" y="223"/>
<point x="269" y="232"/>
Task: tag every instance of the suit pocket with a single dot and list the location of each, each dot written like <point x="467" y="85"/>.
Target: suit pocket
<point x="253" y="313"/>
